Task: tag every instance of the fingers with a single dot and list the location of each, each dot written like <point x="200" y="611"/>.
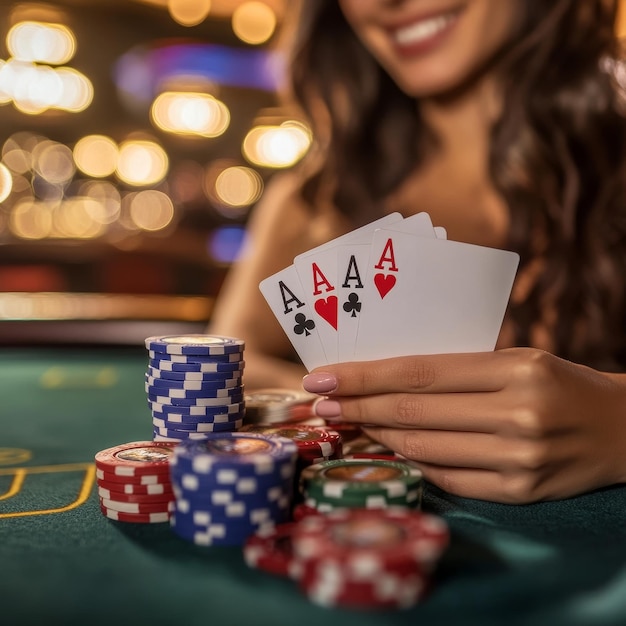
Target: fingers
<point x="457" y="449"/>
<point x="440" y="373"/>
<point x="451" y="411"/>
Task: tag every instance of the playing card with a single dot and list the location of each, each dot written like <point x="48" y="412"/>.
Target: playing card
<point x="285" y="296"/>
<point x="352" y="263"/>
<point x="428" y="295"/>
<point x="317" y="270"/>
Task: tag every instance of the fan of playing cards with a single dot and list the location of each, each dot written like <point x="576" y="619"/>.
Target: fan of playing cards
<point x="394" y="287"/>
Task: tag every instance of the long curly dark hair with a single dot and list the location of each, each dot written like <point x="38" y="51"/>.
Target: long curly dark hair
<point x="558" y="155"/>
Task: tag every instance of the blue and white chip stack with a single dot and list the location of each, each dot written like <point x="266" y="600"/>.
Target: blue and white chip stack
<point x="230" y="486"/>
<point x="194" y="385"/>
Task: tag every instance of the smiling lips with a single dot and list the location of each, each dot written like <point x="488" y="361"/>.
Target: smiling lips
<point x="425" y="33"/>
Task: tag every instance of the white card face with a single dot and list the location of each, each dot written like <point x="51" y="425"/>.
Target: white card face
<point x="285" y="296"/>
<point x="317" y="270"/>
<point x="429" y="296"/>
<point x="352" y="263"/>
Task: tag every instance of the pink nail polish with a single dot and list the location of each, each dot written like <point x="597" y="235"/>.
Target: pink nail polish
<point x="319" y="382"/>
<point x="328" y="408"/>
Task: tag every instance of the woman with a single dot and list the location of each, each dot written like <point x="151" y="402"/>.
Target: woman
<point x="502" y="119"/>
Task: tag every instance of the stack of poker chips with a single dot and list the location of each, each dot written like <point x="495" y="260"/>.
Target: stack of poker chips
<point x="361" y="483"/>
<point x="194" y="385"/>
<point x="231" y="485"/>
<point x="134" y="481"/>
<point x="366" y="558"/>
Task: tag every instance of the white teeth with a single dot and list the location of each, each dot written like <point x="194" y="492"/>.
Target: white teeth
<point x="422" y="30"/>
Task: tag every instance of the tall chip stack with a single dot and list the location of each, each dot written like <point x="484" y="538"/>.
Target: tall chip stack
<point x="194" y="385"/>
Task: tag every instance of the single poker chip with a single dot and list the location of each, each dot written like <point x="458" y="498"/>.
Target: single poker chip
<point x="129" y="489"/>
<point x="136" y="518"/>
<point x="121" y="496"/>
<point x="206" y="426"/>
<point x="135" y="459"/>
<point x="227" y="427"/>
<point x="174" y="420"/>
<point x="312" y="442"/>
<point x="225" y="408"/>
<point x="193" y="385"/>
<point x="204" y="377"/>
<point x="136" y="508"/>
<point x="270" y="550"/>
<point x="360" y="477"/>
<point x="199" y="427"/>
<point x="161" y="357"/>
<point x="262" y="455"/>
<point x="209" y="391"/>
<point x="194" y="400"/>
<point x="278" y="405"/>
<point x="410" y="501"/>
<point x="198" y="345"/>
<point x="162" y="478"/>
<point x="209" y="367"/>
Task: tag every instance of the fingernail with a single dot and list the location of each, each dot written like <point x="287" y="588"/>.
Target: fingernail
<point x="319" y="382"/>
<point x="327" y="408"/>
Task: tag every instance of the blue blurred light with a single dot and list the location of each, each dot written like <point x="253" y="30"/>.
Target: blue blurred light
<point x="226" y="243"/>
<point x="141" y="71"/>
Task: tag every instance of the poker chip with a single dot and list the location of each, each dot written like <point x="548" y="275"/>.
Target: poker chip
<point x="190" y="369"/>
<point x="122" y="496"/>
<point x="174" y="433"/>
<point x="229" y="422"/>
<point x="162" y="357"/>
<point x="185" y="412"/>
<point x="242" y="451"/>
<point x="361" y="483"/>
<point x="197" y="345"/>
<point x="125" y="488"/>
<point x="136" y="458"/>
<point x="312" y="442"/>
<point x="270" y="550"/>
<point x="194" y="400"/>
<point x="229" y="485"/>
<point x="137" y="518"/>
<point x="367" y="558"/>
<point x="143" y="480"/>
<point x="192" y="385"/>
<point x="136" y="508"/>
<point x="272" y="405"/>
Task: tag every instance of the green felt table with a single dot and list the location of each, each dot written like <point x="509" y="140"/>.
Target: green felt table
<point x="63" y="562"/>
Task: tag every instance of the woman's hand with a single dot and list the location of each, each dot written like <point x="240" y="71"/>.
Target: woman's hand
<point x="516" y="425"/>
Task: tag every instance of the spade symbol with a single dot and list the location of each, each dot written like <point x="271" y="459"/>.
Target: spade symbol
<point x="352" y="305"/>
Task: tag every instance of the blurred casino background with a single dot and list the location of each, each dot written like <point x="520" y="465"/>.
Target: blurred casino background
<point x="135" y="137"/>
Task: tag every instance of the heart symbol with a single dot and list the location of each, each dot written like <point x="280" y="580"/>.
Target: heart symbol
<point x="384" y="284"/>
<point x="326" y="308"/>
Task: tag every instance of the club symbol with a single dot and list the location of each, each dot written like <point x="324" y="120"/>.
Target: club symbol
<point x="352" y="305"/>
<point x="303" y="325"/>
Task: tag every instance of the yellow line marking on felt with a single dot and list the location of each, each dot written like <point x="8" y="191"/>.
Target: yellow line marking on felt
<point x="59" y="377"/>
<point x="21" y="472"/>
<point x="11" y="456"/>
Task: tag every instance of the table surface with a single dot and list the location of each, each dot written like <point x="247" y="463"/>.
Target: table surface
<point x="62" y="562"/>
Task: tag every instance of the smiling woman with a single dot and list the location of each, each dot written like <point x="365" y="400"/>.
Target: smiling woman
<point x="503" y="120"/>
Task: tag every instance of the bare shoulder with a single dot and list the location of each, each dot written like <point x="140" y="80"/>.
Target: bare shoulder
<point x="285" y="218"/>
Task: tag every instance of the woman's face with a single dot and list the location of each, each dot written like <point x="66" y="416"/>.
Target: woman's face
<point x="430" y="47"/>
